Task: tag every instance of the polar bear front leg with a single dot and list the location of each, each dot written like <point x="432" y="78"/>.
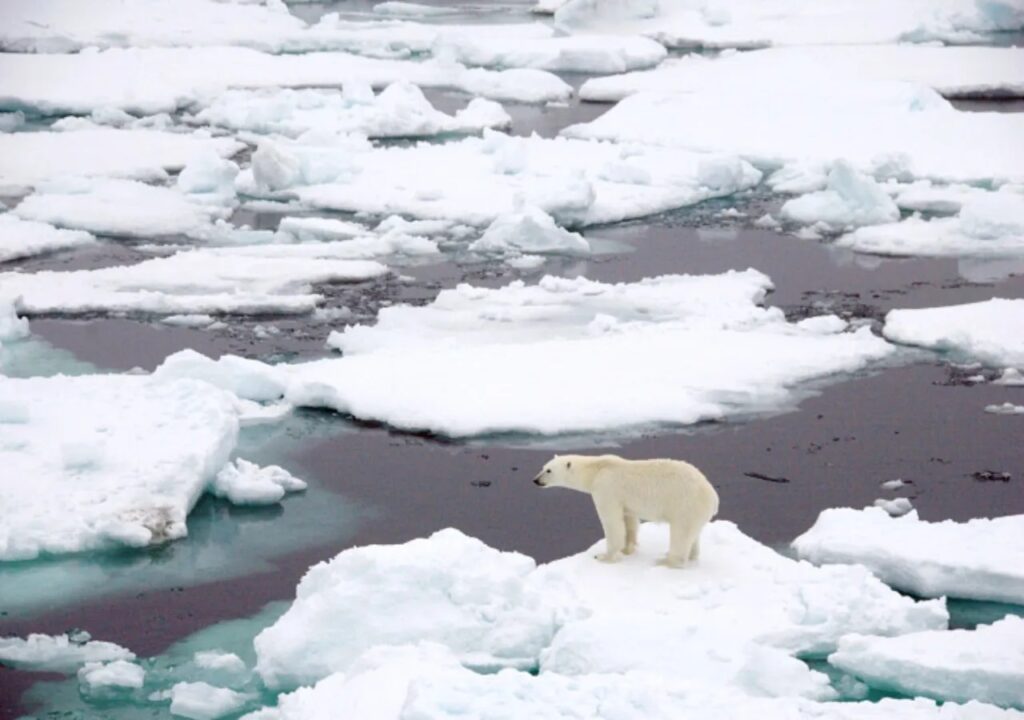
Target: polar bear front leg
<point x="613" y="521"/>
<point x="631" y="527"/>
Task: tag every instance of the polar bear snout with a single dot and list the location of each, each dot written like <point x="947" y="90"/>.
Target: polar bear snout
<point x="539" y="479"/>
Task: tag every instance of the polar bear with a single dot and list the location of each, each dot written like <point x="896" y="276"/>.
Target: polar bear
<point x="627" y="491"/>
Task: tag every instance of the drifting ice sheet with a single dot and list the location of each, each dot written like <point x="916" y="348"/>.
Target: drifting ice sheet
<point x="113" y="460"/>
<point x="22" y="238"/>
<point x="986" y="332"/>
<point x="58" y="653"/>
<point x="980" y="559"/>
<point x="985" y="664"/>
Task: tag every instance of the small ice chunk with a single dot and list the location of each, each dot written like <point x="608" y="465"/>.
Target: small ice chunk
<point x="220" y="661"/>
<point x="246" y="483"/>
<point x="768" y="222"/>
<point x="58" y="653"/>
<point x="895" y="507"/>
<point x="1006" y="408"/>
<point x="12" y="327"/>
<point x="824" y="324"/>
<point x="208" y="172"/>
<point x="103" y="681"/>
<point x="1010" y="376"/>
<point x="893" y="484"/>
<point x="317" y="229"/>
<point x="202" y="701"/>
<point x="851" y="199"/>
<point x="529" y="230"/>
<point x="194" y="320"/>
<point x="248" y="379"/>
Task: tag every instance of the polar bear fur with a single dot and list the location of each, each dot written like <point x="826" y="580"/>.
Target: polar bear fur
<point x="627" y="491"/>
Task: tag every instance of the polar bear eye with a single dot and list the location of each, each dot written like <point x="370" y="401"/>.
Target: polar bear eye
<point x="548" y="471"/>
<point x="568" y="465"/>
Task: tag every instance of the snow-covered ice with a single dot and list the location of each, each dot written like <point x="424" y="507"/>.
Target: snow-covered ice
<point x="952" y="71"/>
<point x="987" y="224"/>
<point x="477" y="179"/>
<point x="255" y="280"/>
<point x="981" y="559"/>
<point x="399" y="110"/>
<point x="246" y="483"/>
<point x="885" y="129"/>
<point x="447" y="588"/>
<point x="58" y="653"/>
<point x="571" y="53"/>
<point x="1006" y="408"/>
<point x="203" y="701"/>
<point x="23" y="238"/>
<point x="985" y="664"/>
<point x="104" y="680"/>
<point x="850" y="199"/>
<point x="986" y="332"/>
<point x="895" y="506"/>
<point x="113" y="460"/>
<point x="759" y="23"/>
<point x="29" y="158"/>
<point x="528" y="229"/>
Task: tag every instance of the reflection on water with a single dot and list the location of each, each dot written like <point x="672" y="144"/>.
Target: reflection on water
<point x="224" y="541"/>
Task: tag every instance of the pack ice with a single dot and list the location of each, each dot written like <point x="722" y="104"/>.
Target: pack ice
<point x="981" y="559"/>
<point x="985" y="664"/>
<point x="986" y="332"/>
<point x="25" y="238"/>
<point x="59" y="653"/>
<point x="477" y="179"/>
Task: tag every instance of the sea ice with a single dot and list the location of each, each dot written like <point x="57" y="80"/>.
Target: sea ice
<point x="246" y="483"/>
<point x="447" y="588"/>
<point x="202" y="701"/>
<point x="895" y="506"/>
<point x="113" y="460"/>
<point x="955" y="71"/>
<point x="29" y="158"/>
<point x="106" y="680"/>
<point x="982" y="331"/>
<point x="985" y="664"/>
<point x="572" y="53"/>
<point x="400" y="110"/>
<point x="981" y="559"/>
<point x="851" y="199"/>
<point x="988" y="224"/>
<point x="528" y="229"/>
<point x="477" y="179"/>
<point x="1006" y="408"/>
<point x="58" y="653"/>
<point x="22" y="238"/>
<point x="759" y="23"/>
<point x="215" y="280"/>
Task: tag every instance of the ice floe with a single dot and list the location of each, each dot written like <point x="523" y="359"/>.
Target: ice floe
<point x="850" y="199"/>
<point x="981" y="559"/>
<point x="107" y="680"/>
<point x="886" y="129"/>
<point x="477" y="179"/>
<point x="952" y="71"/>
<point x="986" y="332"/>
<point x="1006" y="408"/>
<point x="256" y="280"/>
<point x="24" y="238"/>
<point x="399" y="110"/>
<point x="203" y="701"/>
<point x="984" y="664"/>
<point x="125" y="468"/>
<point x="753" y="23"/>
<point x="246" y="483"/>
<point x="147" y="81"/>
<point x="988" y="224"/>
<point x="528" y="230"/>
<point x="59" y="653"/>
<point x="28" y="158"/>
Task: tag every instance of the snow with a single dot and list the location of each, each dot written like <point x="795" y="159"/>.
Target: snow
<point x="246" y="483"/>
<point x="984" y="664"/>
<point x="202" y="701"/>
<point x="113" y="460"/>
<point x="988" y="224"/>
<point x="1006" y="408"/>
<point x="1010" y="377"/>
<point x="119" y="208"/>
<point x="217" y="280"/>
<point x="408" y="9"/>
<point x="399" y="110"/>
<point x="528" y="230"/>
<point x="162" y="80"/>
<point x="894" y="507"/>
<point x="980" y="331"/>
<point x="22" y="238"/>
<point x="759" y="23"/>
<point x="850" y="199"/>
<point x="447" y="588"/>
<point x="32" y="157"/>
<point x="245" y="378"/>
<point x="981" y="559"/>
<point x="477" y="179"/>
<point x="58" y="653"/>
<point x="574" y="53"/>
<point x="216" y="661"/>
<point x="884" y="129"/>
<point x="102" y="681"/>
<point x="952" y="71"/>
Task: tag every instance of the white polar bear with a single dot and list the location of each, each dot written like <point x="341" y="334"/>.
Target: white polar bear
<point x="626" y="491"/>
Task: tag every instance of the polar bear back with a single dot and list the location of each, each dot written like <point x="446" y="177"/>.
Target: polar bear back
<point x="659" y="490"/>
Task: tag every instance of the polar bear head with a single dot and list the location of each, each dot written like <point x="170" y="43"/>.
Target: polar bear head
<point x="558" y="472"/>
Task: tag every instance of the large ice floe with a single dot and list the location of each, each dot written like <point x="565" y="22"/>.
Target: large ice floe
<point x="981" y="559"/>
<point x="24" y="238"/>
<point x="400" y="110"/>
<point x="477" y="179"/>
<point x="987" y="224"/>
<point x="59" y="653"/>
<point x="985" y="664"/>
<point x="886" y="129"/>
<point x="952" y="71"/>
<point x="494" y="610"/>
<point x="756" y="23"/>
<point x="28" y="158"/>
<point x="155" y="80"/>
<point x="986" y="332"/>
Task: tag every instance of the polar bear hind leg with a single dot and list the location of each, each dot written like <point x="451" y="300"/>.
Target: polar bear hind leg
<point x="682" y="540"/>
<point x="631" y="527"/>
